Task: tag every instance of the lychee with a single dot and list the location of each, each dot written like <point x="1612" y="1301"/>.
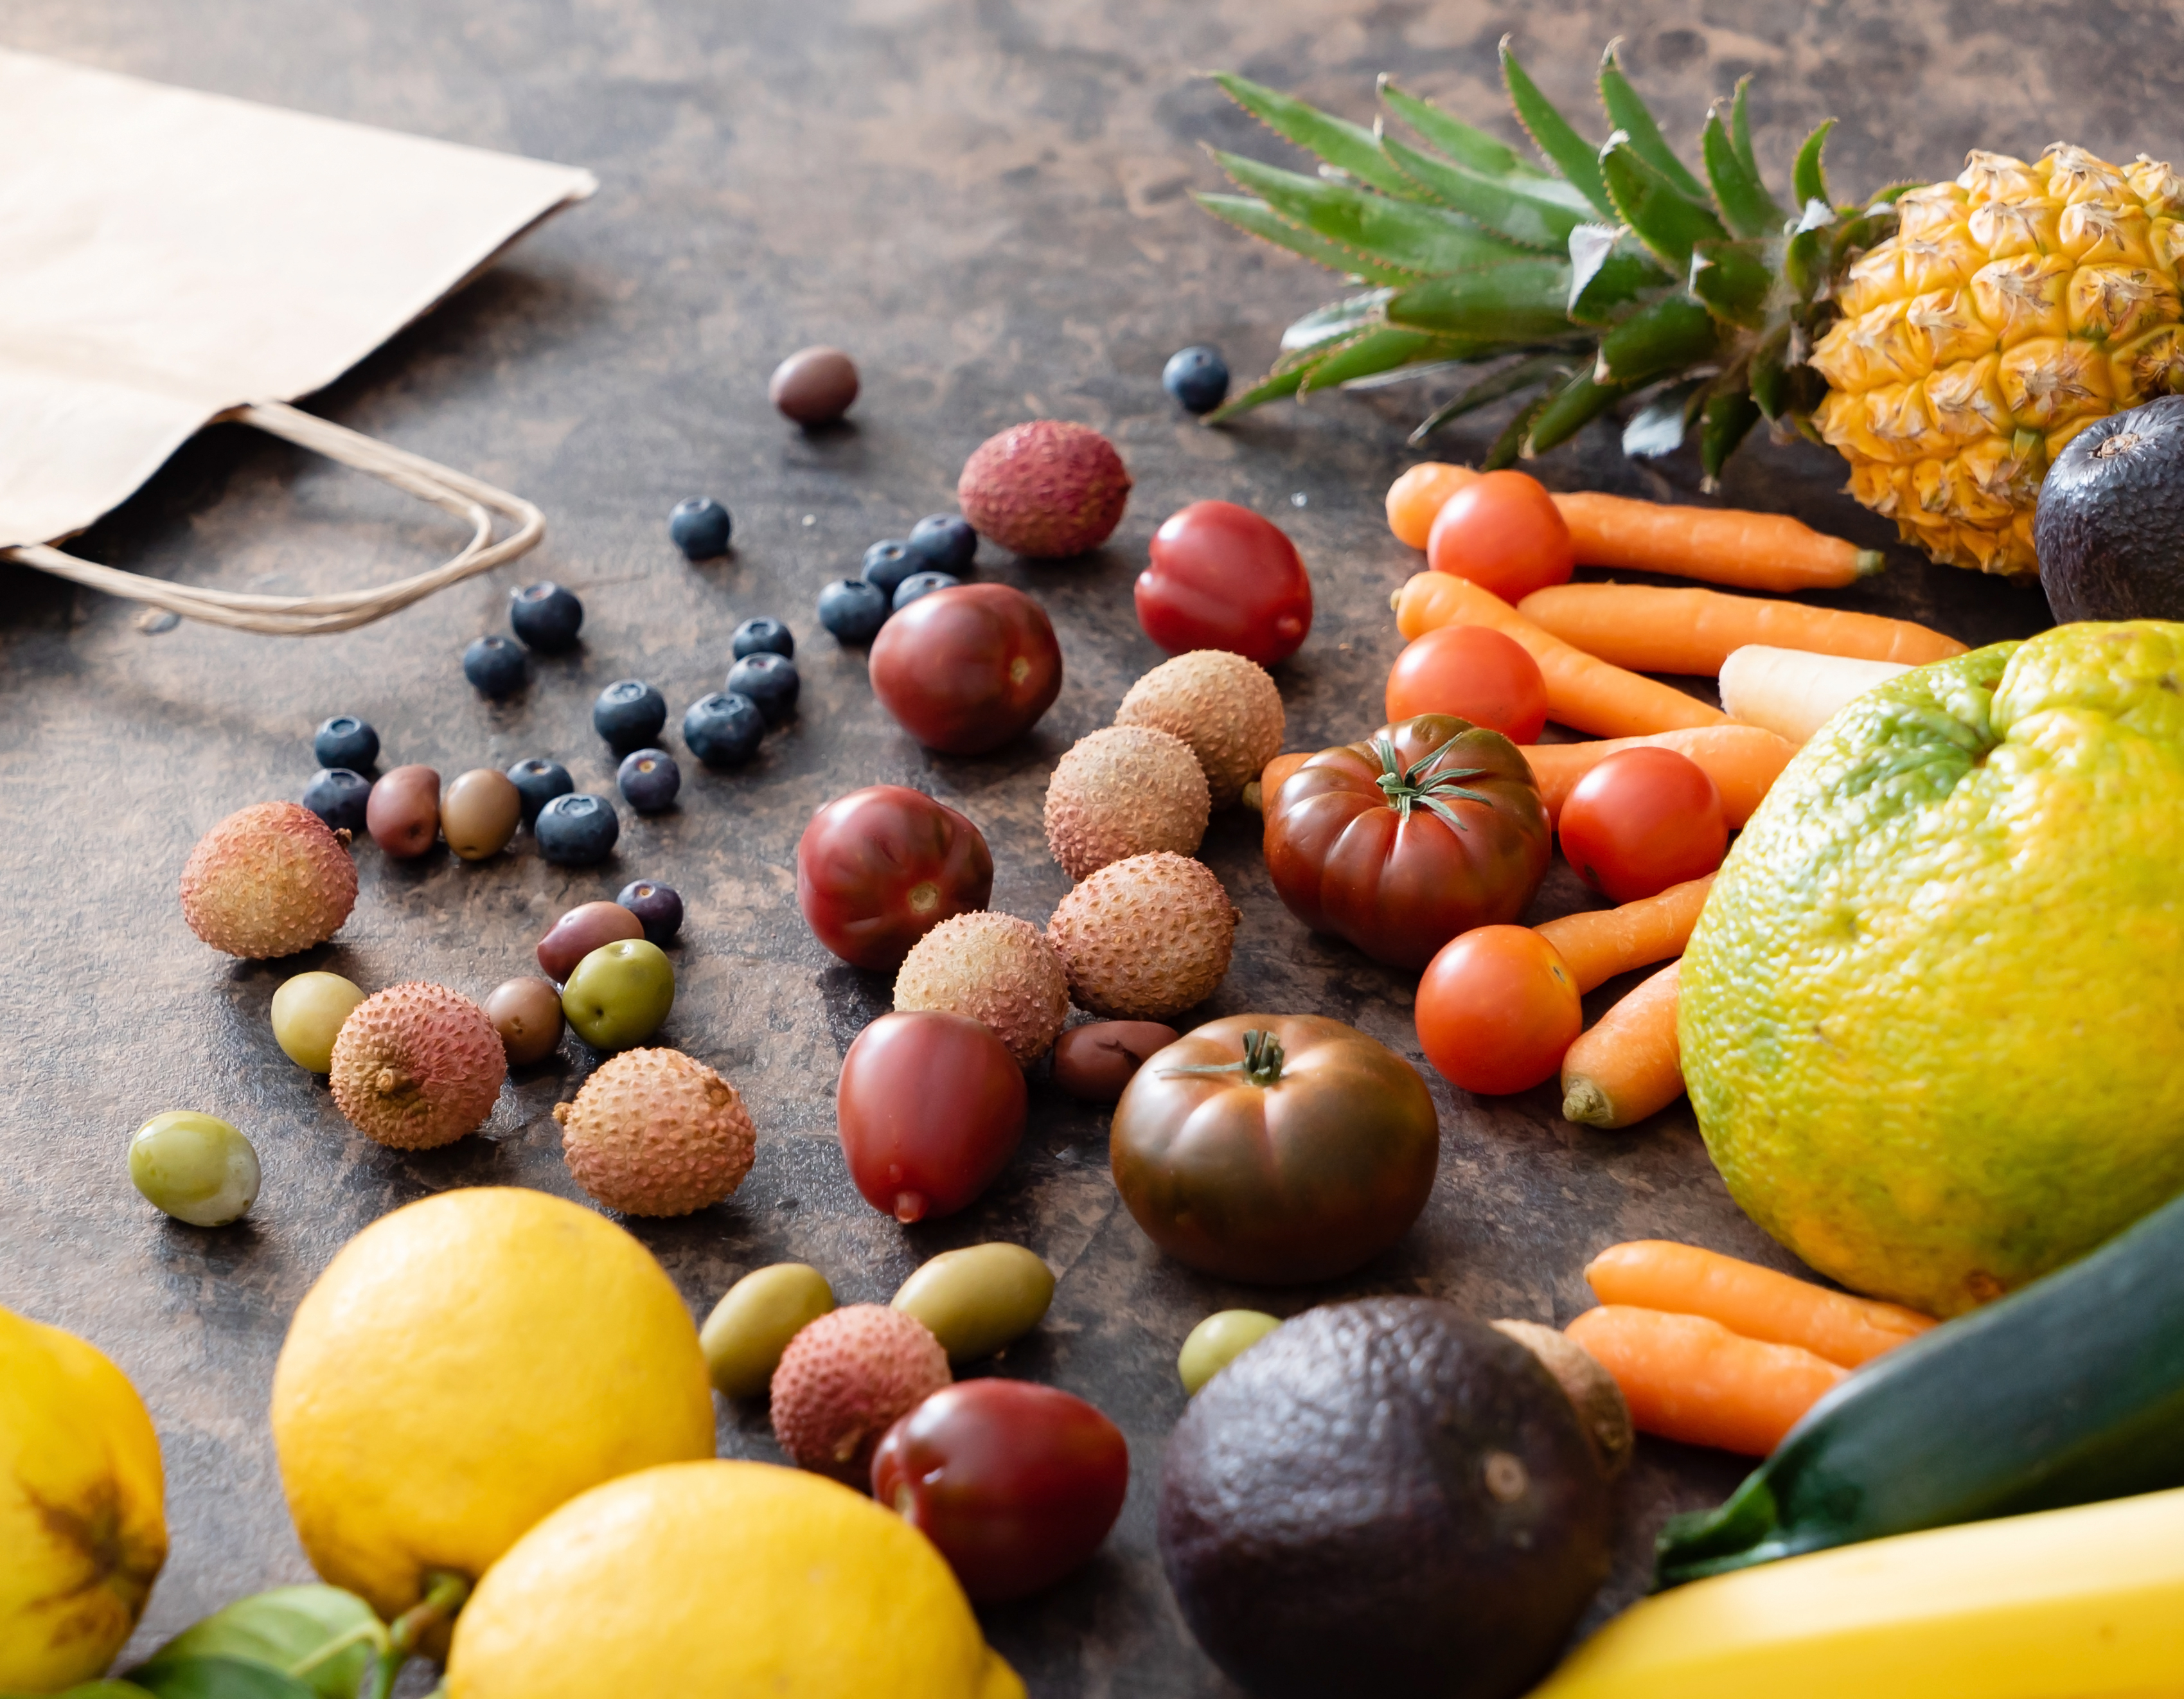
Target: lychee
<point x="417" y="1065"/>
<point x="995" y="968"/>
<point x="1125" y="790"/>
<point x="269" y="880"/>
<point x="1046" y="489"/>
<point x="654" y="1132"/>
<point x="1145" y="938"/>
<point x="1225" y="707"/>
<point x="844" y="1380"/>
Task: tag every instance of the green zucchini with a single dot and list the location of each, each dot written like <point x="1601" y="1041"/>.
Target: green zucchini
<point x="2066" y="1392"/>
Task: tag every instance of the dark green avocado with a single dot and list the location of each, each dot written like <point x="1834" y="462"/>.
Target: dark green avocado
<point x="1384" y="1500"/>
<point x="2110" y="531"/>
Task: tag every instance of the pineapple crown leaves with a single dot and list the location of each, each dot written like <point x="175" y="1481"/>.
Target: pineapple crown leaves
<point x="1610" y="270"/>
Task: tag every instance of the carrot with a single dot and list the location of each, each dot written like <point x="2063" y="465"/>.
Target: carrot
<point x="1759" y="1303"/>
<point x="1600" y="944"/>
<point x="1651" y="630"/>
<point x="1741" y="760"/>
<point x="1689" y="1379"/>
<point x="1629" y="1064"/>
<point x="1415" y="498"/>
<point x="1582" y="692"/>
<point x="1794" y="694"/>
<point x="1270" y="778"/>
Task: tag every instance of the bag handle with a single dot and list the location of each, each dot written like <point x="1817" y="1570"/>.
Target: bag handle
<point x="465" y="497"/>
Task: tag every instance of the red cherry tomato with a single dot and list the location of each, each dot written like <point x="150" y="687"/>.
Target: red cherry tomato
<point x="1474" y="673"/>
<point x="1497" y="1009"/>
<point x="879" y="868"/>
<point x="1642" y="820"/>
<point x="1017" y="1483"/>
<point x="966" y="669"/>
<point x="929" y="1108"/>
<point x="1504" y="532"/>
<point x="1223" y="578"/>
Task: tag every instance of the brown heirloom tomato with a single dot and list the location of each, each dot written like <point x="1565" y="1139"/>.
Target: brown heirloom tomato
<point x="1275" y="1148"/>
<point x="1432" y="828"/>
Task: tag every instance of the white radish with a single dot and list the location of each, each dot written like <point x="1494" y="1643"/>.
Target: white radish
<point x="1793" y="693"/>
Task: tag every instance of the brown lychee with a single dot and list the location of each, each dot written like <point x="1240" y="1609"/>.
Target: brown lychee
<point x="1145" y="938"/>
<point x="995" y="968"/>
<point x="1046" y="489"/>
<point x="417" y="1065"/>
<point x="1126" y="790"/>
<point x="654" y="1132"/>
<point x="1225" y="707"/>
<point x="844" y="1380"/>
<point x="269" y="880"/>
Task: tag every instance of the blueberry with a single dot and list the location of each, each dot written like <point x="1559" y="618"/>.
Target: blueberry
<point x="546" y="617"/>
<point x="754" y="637"/>
<point x="1197" y="377"/>
<point x="922" y="584"/>
<point x="655" y="905"/>
<point x="852" y="610"/>
<point x="943" y="542"/>
<point x="649" y="779"/>
<point x="495" y="665"/>
<point x="575" y="831"/>
<point x="700" y="527"/>
<point x="629" y="714"/>
<point x="337" y="795"/>
<point x="770" y="681"/>
<point x="888" y="564"/>
<point x="538" y="782"/>
<point x="346" y="741"/>
<point x="723" y="729"/>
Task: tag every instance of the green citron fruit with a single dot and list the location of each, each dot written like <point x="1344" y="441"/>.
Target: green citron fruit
<point x="1931" y="1014"/>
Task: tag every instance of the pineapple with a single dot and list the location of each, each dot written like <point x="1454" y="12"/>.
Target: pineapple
<point x="1948" y="338"/>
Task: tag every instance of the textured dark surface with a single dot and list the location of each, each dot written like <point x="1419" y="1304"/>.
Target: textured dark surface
<point x="985" y="203"/>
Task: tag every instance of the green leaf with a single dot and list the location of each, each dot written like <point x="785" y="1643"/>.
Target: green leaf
<point x="1274" y="387"/>
<point x="90" y="1690"/>
<point x="218" y="1677"/>
<point x="1255" y="218"/>
<point x="1745" y="206"/>
<point x="1338" y="318"/>
<point x="1661" y="216"/>
<point x="1739" y="131"/>
<point x="1657" y="428"/>
<point x="1568" y="410"/>
<point x="1462" y="143"/>
<point x="1728" y="417"/>
<point x="1768" y="379"/>
<point x="1506" y="448"/>
<point x="1569" y="152"/>
<point x="323" y="1637"/>
<point x="1628" y="113"/>
<point x="1736" y="279"/>
<point x="1346" y="145"/>
<point x="1673" y="334"/>
<point x="1808" y="181"/>
<point x="1540" y="212"/>
<point x="1804" y="265"/>
<point x="1509" y="380"/>
<point x="1607" y="272"/>
<point x="1381" y="350"/>
<point x="1407" y="234"/>
<point x="1518" y="301"/>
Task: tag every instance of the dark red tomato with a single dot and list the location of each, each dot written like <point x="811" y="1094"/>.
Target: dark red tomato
<point x="929" y="1108"/>
<point x="1223" y="578"/>
<point x="1497" y="1009"/>
<point x="1455" y="838"/>
<point x="966" y="669"/>
<point x="1017" y="1483"/>
<point x="879" y="868"/>
<point x="1504" y="532"/>
<point x="1474" y="673"/>
<point x="1642" y="820"/>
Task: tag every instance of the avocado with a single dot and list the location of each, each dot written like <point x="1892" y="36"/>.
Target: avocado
<point x="2109" y="529"/>
<point x="1383" y="1499"/>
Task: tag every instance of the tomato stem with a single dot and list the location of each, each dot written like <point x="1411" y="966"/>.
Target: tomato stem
<point x="1263" y="1056"/>
<point x="1405" y="787"/>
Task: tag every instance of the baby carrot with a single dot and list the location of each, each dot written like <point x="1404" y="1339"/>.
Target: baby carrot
<point x="1600" y="944"/>
<point x="1741" y="760"/>
<point x="1687" y="1377"/>
<point x="1628" y="1065"/>
<point x="1759" y="1303"/>
<point x="1651" y="630"/>
<point x="1583" y="692"/>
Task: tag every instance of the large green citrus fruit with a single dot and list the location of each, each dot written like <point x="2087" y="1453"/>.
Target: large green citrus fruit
<point x="1933" y="1015"/>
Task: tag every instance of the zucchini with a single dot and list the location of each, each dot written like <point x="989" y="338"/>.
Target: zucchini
<point x="2069" y="1391"/>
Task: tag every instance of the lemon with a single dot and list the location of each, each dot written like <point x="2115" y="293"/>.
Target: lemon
<point x="1931" y="1015"/>
<point x="464" y="1366"/>
<point x="723" y="1578"/>
<point x="83" y="1528"/>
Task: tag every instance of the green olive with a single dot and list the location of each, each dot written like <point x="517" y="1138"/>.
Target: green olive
<point x="753" y="1321"/>
<point x="196" y="1167"/>
<point x="978" y="1299"/>
<point x="1218" y="1341"/>
<point x="618" y="995"/>
<point x="308" y="1012"/>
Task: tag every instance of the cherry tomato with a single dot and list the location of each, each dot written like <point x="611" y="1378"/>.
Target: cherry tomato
<point x="1642" y="820"/>
<point x="930" y="1107"/>
<point x="1474" y="673"/>
<point x="1223" y="578"/>
<point x="1504" y="532"/>
<point x="879" y="868"/>
<point x="1017" y="1483"/>
<point x="1497" y="1009"/>
<point x="965" y="669"/>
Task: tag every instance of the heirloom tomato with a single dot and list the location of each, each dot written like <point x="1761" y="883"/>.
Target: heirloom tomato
<point x="930" y="1106"/>
<point x="879" y="868"/>
<point x="965" y="669"/>
<point x="1223" y="577"/>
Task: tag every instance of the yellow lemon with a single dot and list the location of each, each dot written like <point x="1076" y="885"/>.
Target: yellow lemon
<point x="464" y="1366"/>
<point x="83" y="1529"/>
<point x="1931" y="1015"/>
<point x="719" y="1580"/>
